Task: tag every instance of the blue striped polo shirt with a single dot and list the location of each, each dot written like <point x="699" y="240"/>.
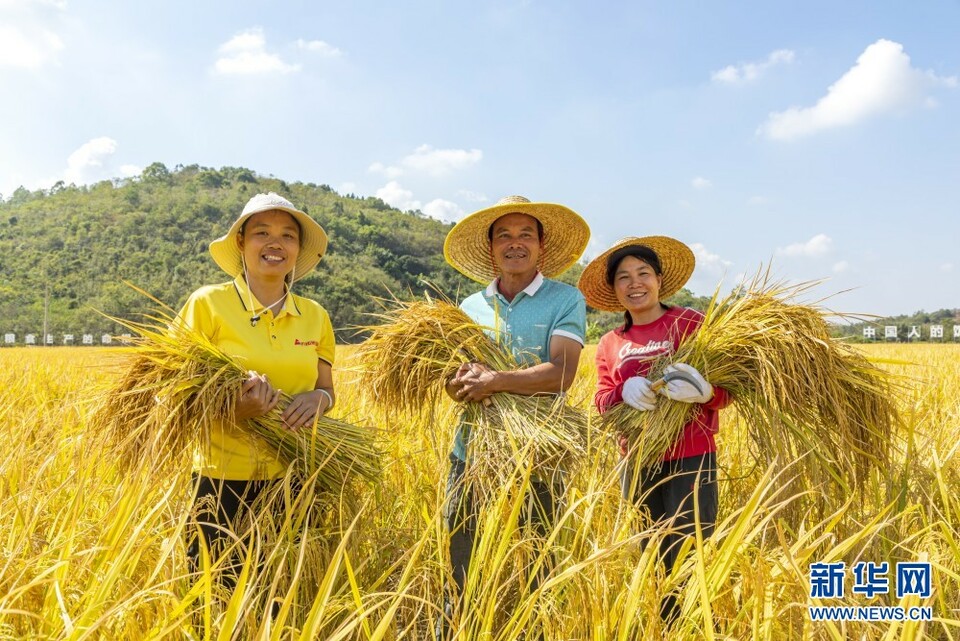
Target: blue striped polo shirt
<point x="545" y="308"/>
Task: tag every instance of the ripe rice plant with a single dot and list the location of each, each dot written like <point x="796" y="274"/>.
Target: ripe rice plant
<point x="95" y="550"/>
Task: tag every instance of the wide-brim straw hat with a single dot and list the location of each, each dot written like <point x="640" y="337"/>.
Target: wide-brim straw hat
<point x="565" y="236"/>
<point x="676" y="264"/>
<point x="313" y="240"/>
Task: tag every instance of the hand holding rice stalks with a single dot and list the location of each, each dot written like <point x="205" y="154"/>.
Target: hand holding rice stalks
<point x="179" y="386"/>
<point x="513" y="431"/>
<point x="419" y="345"/>
<point x="799" y="390"/>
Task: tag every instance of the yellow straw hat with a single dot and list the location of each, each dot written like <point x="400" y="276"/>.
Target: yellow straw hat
<point x="676" y="264"/>
<point x="313" y="240"/>
<point x="565" y="236"/>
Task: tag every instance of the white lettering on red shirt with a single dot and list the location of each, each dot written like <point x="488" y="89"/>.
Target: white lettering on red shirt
<point x="630" y="351"/>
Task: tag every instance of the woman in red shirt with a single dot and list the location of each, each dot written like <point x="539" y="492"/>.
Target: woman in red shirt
<point x="635" y="276"/>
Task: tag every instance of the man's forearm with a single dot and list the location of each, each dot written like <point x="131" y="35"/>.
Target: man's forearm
<point x="543" y="378"/>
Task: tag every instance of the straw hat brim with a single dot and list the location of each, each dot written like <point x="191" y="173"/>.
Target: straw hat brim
<point x="565" y="236"/>
<point x="313" y="244"/>
<point x="676" y="263"/>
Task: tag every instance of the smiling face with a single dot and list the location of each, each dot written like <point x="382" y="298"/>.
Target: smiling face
<point x="637" y="286"/>
<point x="516" y="245"/>
<point x="270" y="242"/>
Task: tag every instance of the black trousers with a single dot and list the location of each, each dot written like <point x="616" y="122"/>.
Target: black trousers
<point x="667" y="495"/>
<point x="219" y="510"/>
<point x="540" y="513"/>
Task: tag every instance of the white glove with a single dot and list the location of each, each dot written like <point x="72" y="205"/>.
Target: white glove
<point x="685" y="384"/>
<point x="638" y="395"/>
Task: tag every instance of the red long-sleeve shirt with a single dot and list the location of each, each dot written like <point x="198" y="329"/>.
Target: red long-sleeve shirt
<point x="622" y="354"/>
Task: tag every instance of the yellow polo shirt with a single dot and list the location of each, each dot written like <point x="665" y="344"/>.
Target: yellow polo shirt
<point x="284" y="347"/>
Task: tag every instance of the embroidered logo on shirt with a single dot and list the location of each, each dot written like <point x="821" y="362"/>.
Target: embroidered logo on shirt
<point x="297" y="341"/>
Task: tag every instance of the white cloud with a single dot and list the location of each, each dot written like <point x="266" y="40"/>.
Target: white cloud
<point x="90" y="162"/>
<point x="395" y="195"/>
<point x="319" y="46"/>
<point x="711" y="270"/>
<point x="444" y="210"/>
<point x="347" y="188"/>
<point x="757" y="200"/>
<point x="250" y="40"/>
<point x="26" y="41"/>
<point x="10" y="182"/>
<point x="246" y="53"/>
<point x="85" y="163"/>
<point x="840" y="267"/>
<point x="427" y="160"/>
<point x="946" y="267"/>
<point x="707" y="259"/>
<point x="882" y="80"/>
<point x="472" y="196"/>
<point x="701" y="183"/>
<point x="28" y="50"/>
<point x="438" y="162"/>
<point x="390" y="171"/>
<point x="751" y="71"/>
<point x="816" y="246"/>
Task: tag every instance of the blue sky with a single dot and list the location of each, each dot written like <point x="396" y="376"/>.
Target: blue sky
<point x="823" y="136"/>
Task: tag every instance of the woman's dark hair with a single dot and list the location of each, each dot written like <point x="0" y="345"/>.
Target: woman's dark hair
<point x="641" y="252"/>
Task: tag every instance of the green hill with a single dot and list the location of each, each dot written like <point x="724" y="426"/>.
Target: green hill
<point x="69" y="249"/>
<point x="74" y="246"/>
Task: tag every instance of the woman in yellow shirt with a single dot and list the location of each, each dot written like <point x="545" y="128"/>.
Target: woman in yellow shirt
<point x="284" y="340"/>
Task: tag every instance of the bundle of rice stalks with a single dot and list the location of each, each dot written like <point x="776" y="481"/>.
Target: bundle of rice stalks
<point x="416" y="348"/>
<point x="513" y="430"/>
<point x="801" y="392"/>
<point x="179" y="386"/>
<point x="419" y="345"/>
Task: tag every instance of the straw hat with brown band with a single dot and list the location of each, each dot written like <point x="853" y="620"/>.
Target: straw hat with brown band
<point x="565" y="236"/>
<point x="676" y="264"/>
<point x="313" y="240"/>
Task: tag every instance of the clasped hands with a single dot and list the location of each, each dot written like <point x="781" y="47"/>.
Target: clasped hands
<point x="258" y="397"/>
<point x="473" y="382"/>
<point x="682" y="383"/>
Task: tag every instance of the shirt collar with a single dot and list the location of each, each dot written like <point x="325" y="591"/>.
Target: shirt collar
<point x="529" y="290"/>
<point x="243" y="290"/>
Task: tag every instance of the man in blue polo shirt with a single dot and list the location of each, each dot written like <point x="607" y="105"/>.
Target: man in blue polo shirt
<point x="513" y="248"/>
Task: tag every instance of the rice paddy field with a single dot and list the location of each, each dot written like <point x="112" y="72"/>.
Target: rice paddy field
<point x="94" y="543"/>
